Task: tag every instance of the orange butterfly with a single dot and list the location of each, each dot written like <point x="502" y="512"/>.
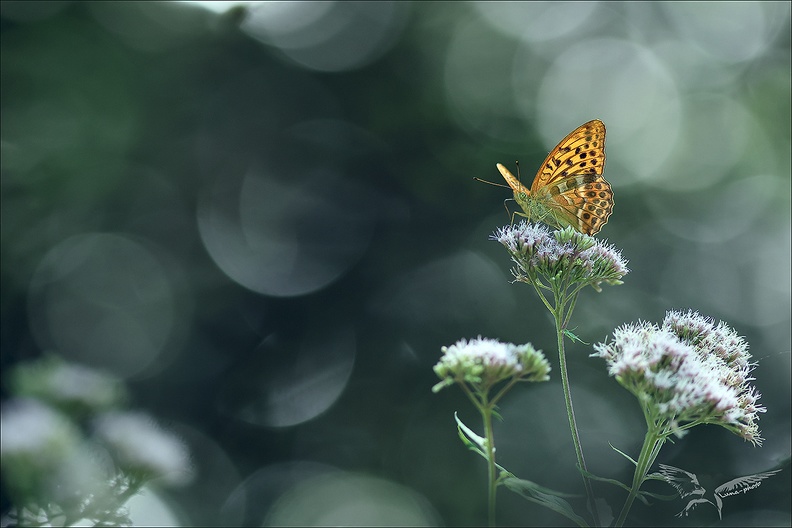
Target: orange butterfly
<point x="569" y="189"/>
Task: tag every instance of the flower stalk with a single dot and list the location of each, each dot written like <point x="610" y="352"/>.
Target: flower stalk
<point x="478" y="366"/>
<point x="686" y="372"/>
<point x="559" y="265"/>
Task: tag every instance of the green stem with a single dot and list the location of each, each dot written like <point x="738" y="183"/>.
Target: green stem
<point x="503" y="391"/>
<point x="486" y="407"/>
<point x="543" y="298"/>
<point x="574" y="297"/>
<point x="491" y="485"/>
<point x="560" y="322"/>
<point x="571" y="415"/>
<point x="651" y="448"/>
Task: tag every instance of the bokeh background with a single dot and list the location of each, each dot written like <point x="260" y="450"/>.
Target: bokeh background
<point x="263" y="218"/>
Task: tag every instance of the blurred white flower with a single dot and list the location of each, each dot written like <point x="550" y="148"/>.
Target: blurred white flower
<point x="141" y="448"/>
<point x="44" y="458"/>
<point x="32" y="429"/>
<point x="68" y="386"/>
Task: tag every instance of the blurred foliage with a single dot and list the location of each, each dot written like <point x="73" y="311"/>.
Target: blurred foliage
<point x="263" y="219"/>
<point x="72" y="455"/>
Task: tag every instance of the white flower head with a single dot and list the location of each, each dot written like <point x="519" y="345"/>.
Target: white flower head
<point x="541" y="254"/>
<point x="688" y="370"/>
<point x="483" y="362"/>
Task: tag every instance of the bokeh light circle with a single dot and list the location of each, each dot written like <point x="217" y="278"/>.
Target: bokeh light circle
<point x="476" y="70"/>
<point x="328" y="36"/>
<point x="439" y="292"/>
<point x="290" y="380"/>
<point x="620" y="82"/>
<point x="696" y="217"/>
<point x="536" y="21"/>
<point x="729" y="279"/>
<point x="348" y="499"/>
<point x="714" y="135"/>
<point x="104" y="300"/>
<point x="283" y="237"/>
<point x="735" y="32"/>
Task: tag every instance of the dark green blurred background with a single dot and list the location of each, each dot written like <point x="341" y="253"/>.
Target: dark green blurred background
<point x="263" y="218"/>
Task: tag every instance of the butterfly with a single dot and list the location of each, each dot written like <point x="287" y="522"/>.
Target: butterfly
<point x="569" y="189"/>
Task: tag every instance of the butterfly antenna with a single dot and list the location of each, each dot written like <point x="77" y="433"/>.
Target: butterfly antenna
<point x="491" y="183"/>
<point x="519" y="179"/>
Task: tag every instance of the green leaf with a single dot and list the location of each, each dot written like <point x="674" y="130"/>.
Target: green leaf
<point x="641" y="495"/>
<point x="659" y="496"/>
<point x="441" y="385"/>
<point x="625" y="455"/>
<point x="466" y="434"/>
<point x="615" y="482"/>
<point x="543" y="496"/>
<point x="507" y="475"/>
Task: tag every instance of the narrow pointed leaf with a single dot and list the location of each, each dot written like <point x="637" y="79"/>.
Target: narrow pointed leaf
<point x="615" y="482"/>
<point x="543" y="496"/>
<point x="625" y="455"/>
<point x="473" y="441"/>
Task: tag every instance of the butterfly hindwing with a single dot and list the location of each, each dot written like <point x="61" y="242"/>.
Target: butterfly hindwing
<point x="585" y="202"/>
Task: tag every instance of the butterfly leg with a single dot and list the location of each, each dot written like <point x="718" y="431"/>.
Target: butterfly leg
<point x="518" y="213"/>
<point x="508" y="213"/>
<point x="515" y="213"/>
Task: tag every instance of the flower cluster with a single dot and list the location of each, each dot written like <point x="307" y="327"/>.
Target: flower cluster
<point x="564" y="253"/>
<point x="69" y="387"/>
<point x="35" y="438"/>
<point x="483" y="362"/>
<point x="142" y="449"/>
<point x="50" y="466"/>
<point x="686" y="372"/>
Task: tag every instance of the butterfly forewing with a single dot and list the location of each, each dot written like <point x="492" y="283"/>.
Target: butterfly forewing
<point x="570" y="180"/>
<point x="513" y="182"/>
<point x="581" y="152"/>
